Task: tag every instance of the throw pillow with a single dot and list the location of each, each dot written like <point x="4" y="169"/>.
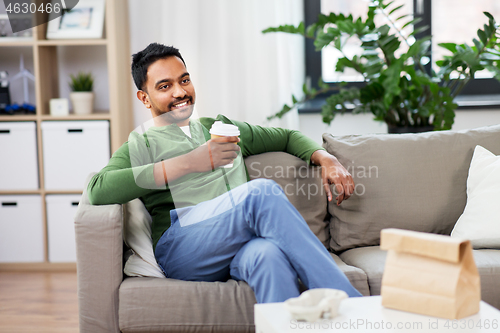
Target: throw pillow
<point x="137" y="236"/>
<point x="480" y="221"/>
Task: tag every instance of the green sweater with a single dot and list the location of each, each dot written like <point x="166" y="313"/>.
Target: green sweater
<point x="129" y="173"/>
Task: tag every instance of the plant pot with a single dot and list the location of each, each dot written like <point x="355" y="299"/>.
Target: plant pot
<point x="408" y="129"/>
<point x="83" y="101"/>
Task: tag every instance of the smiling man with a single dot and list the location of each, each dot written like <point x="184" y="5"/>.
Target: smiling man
<point x="209" y="222"/>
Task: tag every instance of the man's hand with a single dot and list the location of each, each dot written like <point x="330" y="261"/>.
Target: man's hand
<point x="215" y="153"/>
<point x="333" y="172"/>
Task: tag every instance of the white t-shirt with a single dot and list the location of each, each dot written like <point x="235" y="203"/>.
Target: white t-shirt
<point x="186" y="130"/>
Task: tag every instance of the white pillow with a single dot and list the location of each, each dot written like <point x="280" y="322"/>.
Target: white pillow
<point x="480" y="221"/>
<point x="137" y="235"/>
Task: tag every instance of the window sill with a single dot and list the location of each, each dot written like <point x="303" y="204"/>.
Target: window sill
<point x="466" y="102"/>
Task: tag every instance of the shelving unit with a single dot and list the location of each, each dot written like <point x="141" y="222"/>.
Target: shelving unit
<point x="47" y="86"/>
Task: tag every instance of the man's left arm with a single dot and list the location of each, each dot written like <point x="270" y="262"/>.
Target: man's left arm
<point x="258" y="139"/>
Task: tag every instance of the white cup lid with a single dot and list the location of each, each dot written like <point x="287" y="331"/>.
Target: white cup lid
<point x="219" y="128"/>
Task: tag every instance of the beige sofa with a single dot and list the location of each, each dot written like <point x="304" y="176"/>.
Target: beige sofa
<point x="409" y="181"/>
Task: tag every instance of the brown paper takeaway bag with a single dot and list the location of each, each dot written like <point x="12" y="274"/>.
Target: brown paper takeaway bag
<point x="429" y="274"/>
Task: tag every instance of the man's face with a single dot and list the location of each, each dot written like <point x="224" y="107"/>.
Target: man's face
<point x="169" y="92"/>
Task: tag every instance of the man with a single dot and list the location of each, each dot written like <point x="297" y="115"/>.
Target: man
<point x="209" y="222"/>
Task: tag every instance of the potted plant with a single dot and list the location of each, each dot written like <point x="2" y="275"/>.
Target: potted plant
<point x="398" y="89"/>
<point x="82" y="96"/>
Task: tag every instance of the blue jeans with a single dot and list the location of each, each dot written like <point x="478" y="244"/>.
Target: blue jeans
<point x="254" y="234"/>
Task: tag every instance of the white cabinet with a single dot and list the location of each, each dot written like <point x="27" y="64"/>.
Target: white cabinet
<point x="61" y="210"/>
<point x="18" y="156"/>
<point x="21" y="229"/>
<point x="72" y="150"/>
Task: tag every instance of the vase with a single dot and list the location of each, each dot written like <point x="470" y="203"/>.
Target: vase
<point x="83" y="102"/>
<point x="408" y="129"/>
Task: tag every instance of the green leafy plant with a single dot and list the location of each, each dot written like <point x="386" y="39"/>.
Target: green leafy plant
<point x="398" y="90"/>
<point x="81" y="82"/>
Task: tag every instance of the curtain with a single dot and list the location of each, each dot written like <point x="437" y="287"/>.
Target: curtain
<point x="236" y="70"/>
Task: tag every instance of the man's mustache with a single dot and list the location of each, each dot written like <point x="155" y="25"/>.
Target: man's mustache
<point x="189" y="99"/>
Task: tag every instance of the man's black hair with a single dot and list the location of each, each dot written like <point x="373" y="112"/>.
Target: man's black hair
<point x="143" y="59"/>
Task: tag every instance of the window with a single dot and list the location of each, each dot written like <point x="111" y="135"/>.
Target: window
<point x="330" y="55"/>
<point x="449" y="20"/>
<point x="457" y="21"/>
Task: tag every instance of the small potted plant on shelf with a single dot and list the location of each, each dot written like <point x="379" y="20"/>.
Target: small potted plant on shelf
<point x="398" y="89"/>
<point x="82" y="96"/>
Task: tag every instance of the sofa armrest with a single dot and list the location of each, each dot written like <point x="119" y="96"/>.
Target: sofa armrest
<point x="99" y="255"/>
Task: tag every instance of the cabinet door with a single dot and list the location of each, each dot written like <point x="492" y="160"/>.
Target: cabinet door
<point x="19" y="166"/>
<point x="72" y="150"/>
<point x="21" y="230"/>
<point x="61" y="210"/>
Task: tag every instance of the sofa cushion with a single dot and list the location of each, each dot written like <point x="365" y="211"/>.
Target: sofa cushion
<point x="168" y="305"/>
<point x="356" y="276"/>
<point x="406" y="181"/>
<point x="371" y="260"/>
<point x="488" y="265"/>
<point x="302" y="185"/>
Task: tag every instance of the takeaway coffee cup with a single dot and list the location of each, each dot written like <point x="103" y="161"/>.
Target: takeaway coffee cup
<point x="220" y="129"/>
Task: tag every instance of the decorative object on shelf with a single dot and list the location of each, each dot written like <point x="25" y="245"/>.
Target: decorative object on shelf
<point x="25" y="75"/>
<point x="85" y="20"/>
<point x="5" y="30"/>
<point x="398" y="89"/>
<point x="4" y="91"/>
<point x="82" y="96"/>
<point x="20" y="109"/>
<point x="59" y="107"/>
<point x="315" y="304"/>
<point x="4" y="26"/>
<point x="26" y="107"/>
<point x="21" y="26"/>
<point x="15" y="28"/>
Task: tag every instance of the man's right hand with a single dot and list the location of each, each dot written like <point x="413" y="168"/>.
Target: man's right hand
<point x="214" y="153"/>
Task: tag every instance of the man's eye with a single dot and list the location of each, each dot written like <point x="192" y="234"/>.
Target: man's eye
<point x="164" y="87"/>
<point x="186" y="81"/>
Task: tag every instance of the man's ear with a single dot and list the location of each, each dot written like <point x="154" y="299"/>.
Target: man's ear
<point x="144" y="98"/>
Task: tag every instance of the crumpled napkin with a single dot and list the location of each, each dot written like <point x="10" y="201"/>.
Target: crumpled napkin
<point x="314" y="304"/>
